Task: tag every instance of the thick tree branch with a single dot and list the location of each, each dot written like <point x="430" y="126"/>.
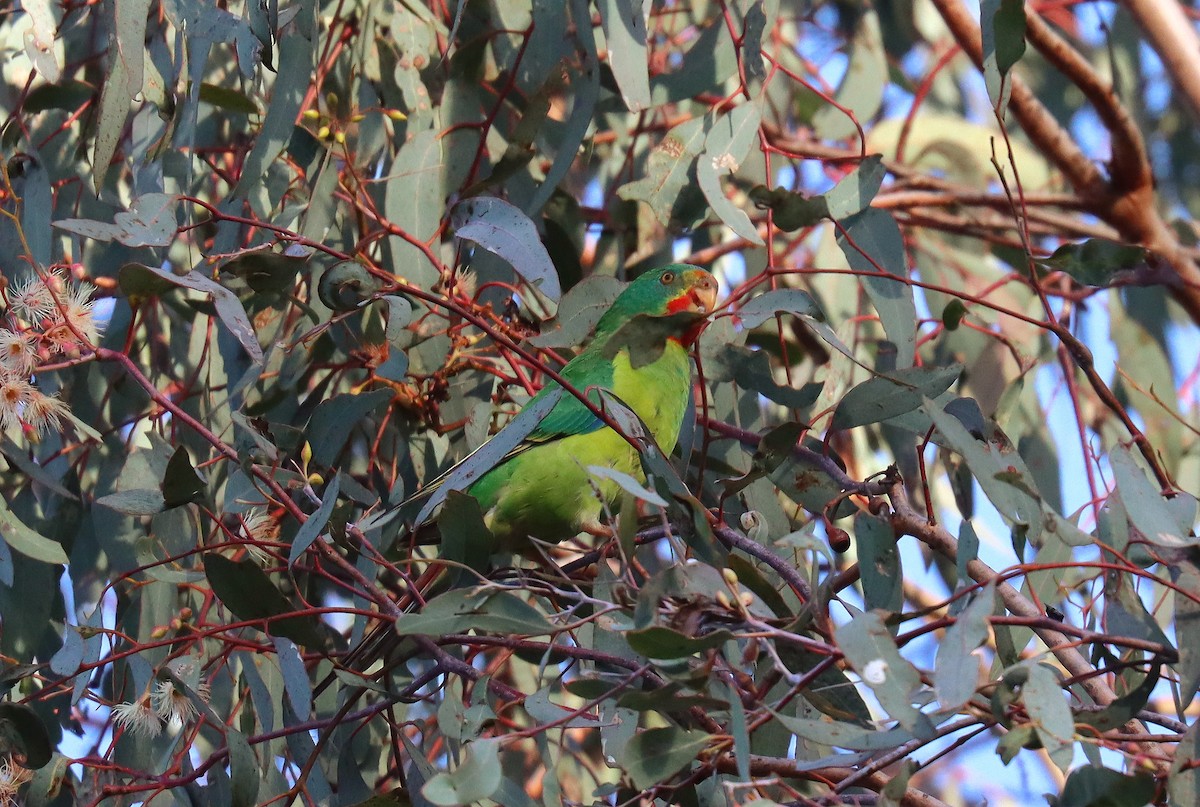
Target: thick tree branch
<point x="1128" y="201"/>
<point x="1173" y="37"/>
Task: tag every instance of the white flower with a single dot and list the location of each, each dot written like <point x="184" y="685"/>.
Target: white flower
<point x="44" y="412"/>
<point x="875" y="671"/>
<point x="137" y="717"/>
<point x="77" y="304"/>
<point x="172" y="704"/>
<point x="15" y="393"/>
<point x="260" y="525"/>
<point x="18" y="352"/>
<point x="12" y="776"/>
<point x="31" y="299"/>
<point x="185" y="670"/>
<point x="71" y="324"/>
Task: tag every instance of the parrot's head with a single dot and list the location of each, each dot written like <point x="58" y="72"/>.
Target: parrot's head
<point x="673" y="289"/>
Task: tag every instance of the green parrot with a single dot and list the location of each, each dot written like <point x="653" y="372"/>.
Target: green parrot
<point x="542" y="488"/>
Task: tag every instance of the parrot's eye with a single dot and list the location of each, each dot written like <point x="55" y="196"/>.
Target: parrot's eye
<point x="667" y="278"/>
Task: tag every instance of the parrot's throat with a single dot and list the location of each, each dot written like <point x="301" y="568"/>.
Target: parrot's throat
<point x="689" y="337"/>
<point x="688" y="302"/>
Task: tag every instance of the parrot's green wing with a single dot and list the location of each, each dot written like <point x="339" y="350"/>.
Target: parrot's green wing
<point x="568" y="416"/>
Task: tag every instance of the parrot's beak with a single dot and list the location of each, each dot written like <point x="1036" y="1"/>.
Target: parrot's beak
<point x="702" y="298"/>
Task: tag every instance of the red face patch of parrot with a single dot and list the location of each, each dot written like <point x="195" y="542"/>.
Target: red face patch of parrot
<point x="701" y="296"/>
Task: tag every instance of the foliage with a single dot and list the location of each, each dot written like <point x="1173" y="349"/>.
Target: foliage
<point x="272" y="268"/>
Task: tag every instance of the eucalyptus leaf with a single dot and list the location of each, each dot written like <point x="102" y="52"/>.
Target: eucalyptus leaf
<point x="1047" y="708"/>
<point x="891" y="394"/>
<point x="504" y="230"/>
<point x="122" y="83"/>
<point x="311" y="529"/>
<point x="657" y="641"/>
<point x="855" y="191"/>
<point x="628" y="484"/>
<point x="181" y="484"/>
<point x="861" y="89"/>
<point x="463" y="610"/>
<point x="20" y="722"/>
<point x="955" y="660"/>
<point x="655" y="755"/>
<point x="624" y="24"/>
<point x="477" y="778"/>
<point x="844" y="735"/>
<point x="869" y="647"/>
<point x="247" y="591"/>
<point x="16" y="535"/>
<point x="1091" y="786"/>
<point x="1002" y="27"/>
<point x="873" y="246"/>
<point x="295" y="70"/>
<point x="669" y="169"/>
<point x="1145" y="505"/>
<point x="226" y="303"/>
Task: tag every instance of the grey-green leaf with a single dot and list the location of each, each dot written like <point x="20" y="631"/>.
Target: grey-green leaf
<point x="655" y="755"/>
<point x="844" y="735"/>
<point x="181" y="484"/>
<point x="892" y="394"/>
<point x="311" y="529"/>
<point x="952" y="677"/>
<point x="246" y="590"/>
<point x="870" y="649"/>
<point x="287" y="94"/>
<point x="477" y="778"/>
<point x="625" y="29"/>
<point x="1092" y="786"/>
<point x="229" y="308"/>
<point x="1047" y="707"/>
<point x="243" y="770"/>
<point x="879" y="563"/>
<point x="126" y="55"/>
<point x="856" y="190"/>
<point x="336" y="418"/>
<point x="504" y="230"/>
<point x="733" y="216"/>
<point x="1186" y="575"/>
<point x="295" y="677"/>
<point x="463" y="610"/>
<point x="27" y="541"/>
<point x="861" y="90"/>
<point x="1145" y="505"/>
<point x="136" y="502"/>
<point x="668" y="170"/>
<point x="779" y="301"/>
<point x="873" y="247"/>
<point x="1002" y="28"/>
